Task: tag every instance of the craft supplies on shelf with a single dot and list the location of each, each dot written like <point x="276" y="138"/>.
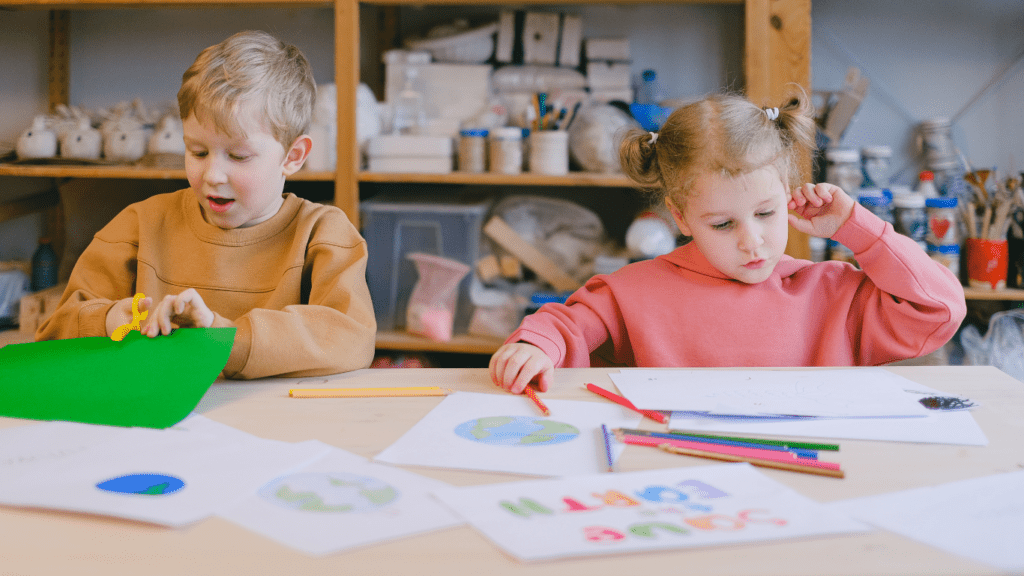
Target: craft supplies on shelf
<point x="473" y="150"/>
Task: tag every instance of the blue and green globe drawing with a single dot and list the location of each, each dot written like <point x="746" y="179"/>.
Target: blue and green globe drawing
<point x="516" y="431"/>
<point x="329" y="492"/>
<point x="145" y="484"/>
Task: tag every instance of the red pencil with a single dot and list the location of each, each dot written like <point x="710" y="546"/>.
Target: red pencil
<point x="656" y="416"/>
<point x="533" y="396"/>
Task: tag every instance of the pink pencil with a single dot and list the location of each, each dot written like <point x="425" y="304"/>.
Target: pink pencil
<point x="773" y="455"/>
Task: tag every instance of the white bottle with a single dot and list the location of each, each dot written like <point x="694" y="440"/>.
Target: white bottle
<point x="926" y="184"/>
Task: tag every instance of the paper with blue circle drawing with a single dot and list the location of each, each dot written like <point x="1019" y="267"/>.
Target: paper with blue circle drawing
<point x="642" y="511"/>
<point x="506" y="433"/>
<point x="341" y="501"/>
<point x="139" y="381"/>
<point x="172" y="477"/>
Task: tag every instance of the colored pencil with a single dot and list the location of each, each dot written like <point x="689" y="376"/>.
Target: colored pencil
<point x="653" y="415"/>
<point x="802" y="452"/>
<point x="835" y="473"/>
<point x="786" y="457"/>
<point x="533" y="396"/>
<point x="608" y="448"/>
<point x="368" y="392"/>
<point x="782" y="443"/>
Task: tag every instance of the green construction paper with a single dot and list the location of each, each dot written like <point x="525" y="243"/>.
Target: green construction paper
<point x="139" y="381"/>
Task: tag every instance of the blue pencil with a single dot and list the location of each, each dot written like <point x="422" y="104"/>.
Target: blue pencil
<point x="608" y="448"/>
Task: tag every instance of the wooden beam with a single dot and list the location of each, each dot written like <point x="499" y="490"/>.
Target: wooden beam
<point x="60" y="59"/>
<point x="346" y="77"/>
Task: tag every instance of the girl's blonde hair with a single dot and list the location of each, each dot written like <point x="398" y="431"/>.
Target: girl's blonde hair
<point x="722" y="134"/>
<point x="251" y="66"/>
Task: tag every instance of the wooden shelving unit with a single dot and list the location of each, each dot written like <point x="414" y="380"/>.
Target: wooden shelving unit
<point x="776" y="52"/>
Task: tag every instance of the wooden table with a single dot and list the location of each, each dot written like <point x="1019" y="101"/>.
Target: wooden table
<point x="49" y="542"/>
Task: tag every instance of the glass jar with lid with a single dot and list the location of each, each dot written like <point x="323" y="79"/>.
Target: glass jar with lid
<point x="843" y="169"/>
<point x="506" y="148"/>
<point x="875" y="165"/>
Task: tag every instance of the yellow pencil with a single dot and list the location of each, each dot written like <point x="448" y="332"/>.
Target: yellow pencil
<point x="368" y="392"/>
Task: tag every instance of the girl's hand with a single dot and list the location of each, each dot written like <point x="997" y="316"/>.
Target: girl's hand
<point x="186" y="309"/>
<point x="823" y="209"/>
<point x="515" y="365"/>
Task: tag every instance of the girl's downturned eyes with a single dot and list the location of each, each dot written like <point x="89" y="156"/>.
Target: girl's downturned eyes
<point x="722" y="226"/>
<point x="766" y="213"/>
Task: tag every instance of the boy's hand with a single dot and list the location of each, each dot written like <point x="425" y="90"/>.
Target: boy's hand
<point x="517" y="364"/>
<point x="823" y="209"/>
<point x="121" y="313"/>
<point x="186" y="309"/>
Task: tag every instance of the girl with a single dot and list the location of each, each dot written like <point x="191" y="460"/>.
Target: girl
<point x="729" y="172"/>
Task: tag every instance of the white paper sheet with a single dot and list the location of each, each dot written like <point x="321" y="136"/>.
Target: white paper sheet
<point x="860" y="392"/>
<point x="638" y="511"/>
<point x="506" y="433"/>
<point x="342" y="501"/>
<point x="171" y="477"/>
<point x="980" y="518"/>
<point x="937" y="427"/>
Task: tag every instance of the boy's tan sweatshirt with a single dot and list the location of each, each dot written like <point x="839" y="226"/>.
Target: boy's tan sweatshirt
<point x="294" y="285"/>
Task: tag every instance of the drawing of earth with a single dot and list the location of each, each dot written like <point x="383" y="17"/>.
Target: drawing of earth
<point x="329" y="492"/>
<point x="516" y="431"/>
<point x="145" y="484"/>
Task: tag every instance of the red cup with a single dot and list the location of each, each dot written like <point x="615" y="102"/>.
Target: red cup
<point x="987" y="263"/>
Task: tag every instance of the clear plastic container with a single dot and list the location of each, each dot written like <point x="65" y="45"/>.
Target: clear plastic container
<point x="947" y="255"/>
<point x="648" y="89"/>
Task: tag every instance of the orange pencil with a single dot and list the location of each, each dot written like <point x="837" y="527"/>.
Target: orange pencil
<point x="533" y="396"/>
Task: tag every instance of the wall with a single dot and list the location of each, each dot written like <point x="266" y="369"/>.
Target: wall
<point x="925" y="58"/>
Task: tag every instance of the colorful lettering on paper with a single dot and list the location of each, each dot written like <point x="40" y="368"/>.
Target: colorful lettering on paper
<point x="685" y="501"/>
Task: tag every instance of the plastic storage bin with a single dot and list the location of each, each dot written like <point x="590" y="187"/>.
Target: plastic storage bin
<point x="396" y="226"/>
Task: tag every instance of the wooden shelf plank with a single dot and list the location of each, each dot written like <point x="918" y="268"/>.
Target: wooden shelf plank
<point x="589" y="179"/>
<point x="1010" y="294"/>
<point x="127" y="172"/>
<point x="74" y="4"/>
<point x="543" y="2"/>
<point x="462" y="343"/>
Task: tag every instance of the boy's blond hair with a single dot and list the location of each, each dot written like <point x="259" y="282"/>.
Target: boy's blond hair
<point x="251" y="67"/>
<point x="722" y="134"/>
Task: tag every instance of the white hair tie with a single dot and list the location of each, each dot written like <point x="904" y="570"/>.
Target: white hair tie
<point x="654" y="138"/>
<point x="772" y="113"/>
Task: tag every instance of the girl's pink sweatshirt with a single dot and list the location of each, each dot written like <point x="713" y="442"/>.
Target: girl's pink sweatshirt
<point x="679" y="311"/>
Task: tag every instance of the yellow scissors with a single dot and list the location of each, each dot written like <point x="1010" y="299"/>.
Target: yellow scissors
<point x="135" y="324"/>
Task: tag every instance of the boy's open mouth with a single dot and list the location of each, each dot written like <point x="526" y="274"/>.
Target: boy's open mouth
<point x="219" y="204"/>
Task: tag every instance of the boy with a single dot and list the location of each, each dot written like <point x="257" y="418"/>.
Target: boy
<point x="231" y="250"/>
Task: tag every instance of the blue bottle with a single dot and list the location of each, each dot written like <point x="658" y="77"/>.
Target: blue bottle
<point x="44" y="266"/>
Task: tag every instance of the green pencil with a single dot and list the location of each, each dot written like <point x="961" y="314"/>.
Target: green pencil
<point x="782" y="443"/>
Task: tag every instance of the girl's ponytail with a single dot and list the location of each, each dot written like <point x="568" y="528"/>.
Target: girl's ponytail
<point x="639" y="159"/>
